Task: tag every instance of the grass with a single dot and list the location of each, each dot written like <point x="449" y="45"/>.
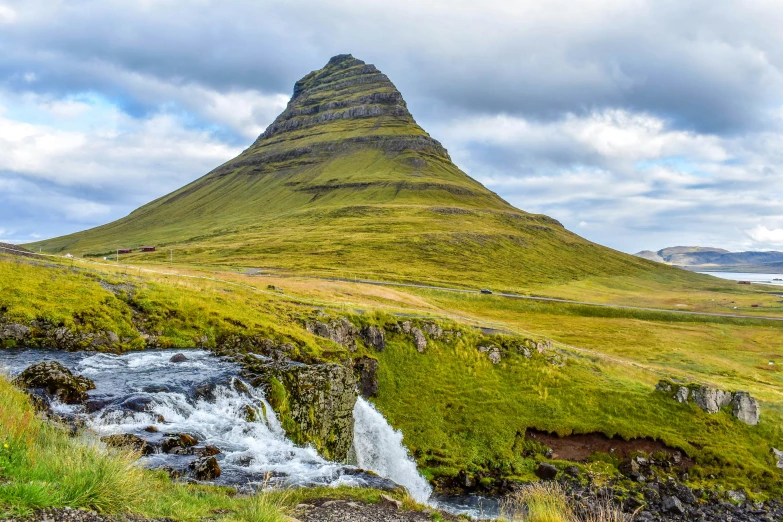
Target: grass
<point x="549" y="502"/>
<point x="457" y="410"/>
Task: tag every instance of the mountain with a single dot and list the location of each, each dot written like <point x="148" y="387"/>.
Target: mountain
<point x="717" y="259"/>
<point x="345" y="182"/>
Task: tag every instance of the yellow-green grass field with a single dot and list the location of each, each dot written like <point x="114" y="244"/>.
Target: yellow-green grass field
<point x="456" y="409"/>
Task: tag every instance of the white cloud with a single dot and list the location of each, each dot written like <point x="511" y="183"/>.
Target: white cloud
<point x="7" y="15"/>
<point x="765" y="236"/>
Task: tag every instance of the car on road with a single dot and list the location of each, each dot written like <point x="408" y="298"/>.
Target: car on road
<point x="486" y="291"/>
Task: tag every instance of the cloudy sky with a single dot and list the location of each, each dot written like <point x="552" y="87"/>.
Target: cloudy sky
<point x="637" y="123"/>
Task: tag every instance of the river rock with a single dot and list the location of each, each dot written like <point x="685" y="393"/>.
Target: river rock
<point x="206" y="451"/>
<point x="366" y="369"/>
<point x="128" y="441"/>
<point x="178" y="358"/>
<point x="178" y="444"/>
<point x="745" y="408"/>
<point x="56" y="380"/>
<point x="373" y="336"/>
<point x="711" y="399"/>
<point x="205" y="468"/>
<point x="317" y="405"/>
<point x="341" y="331"/>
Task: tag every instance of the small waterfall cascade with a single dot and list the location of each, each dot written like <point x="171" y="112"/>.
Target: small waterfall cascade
<point x="378" y="448"/>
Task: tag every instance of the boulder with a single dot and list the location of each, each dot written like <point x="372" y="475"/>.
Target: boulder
<point x="373" y="336"/>
<point x="14" y="331"/>
<point x="418" y="339"/>
<point x="546" y="471"/>
<point x="682" y="394"/>
<point x="128" y="441"/>
<point x="778" y="455"/>
<point x="406" y="327"/>
<point x="139" y="403"/>
<point x="178" y="444"/>
<point x="711" y="399"/>
<point x="341" y="331"/>
<point x="745" y="408"/>
<point x="366" y="369"/>
<point x="433" y="330"/>
<point x="178" y="358"/>
<point x="206" y="451"/>
<point x="55" y="380"/>
<point x="205" y="468"/>
<point x="672" y="505"/>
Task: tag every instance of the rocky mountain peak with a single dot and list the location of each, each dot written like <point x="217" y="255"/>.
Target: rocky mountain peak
<point x="346" y="88"/>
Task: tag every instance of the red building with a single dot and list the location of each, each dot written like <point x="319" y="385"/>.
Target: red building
<point x="148" y="249"/>
<point x="124" y="251"/>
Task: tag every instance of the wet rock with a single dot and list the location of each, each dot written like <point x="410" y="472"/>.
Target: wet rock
<point x="418" y="339"/>
<point x="366" y="369"/>
<point x="745" y="408"/>
<point x="315" y="405"/>
<point x="206" y="451"/>
<point x="711" y="399"/>
<point x="151" y="429"/>
<point x="128" y="441"/>
<point x="341" y="331"/>
<point x="205" y="468"/>
<point x="672" y="505"/>
<point x="373" y="336"/>
<point x="546" y="471"/>
<point x="249" y="413"/>
<point x="178" y="444"/>
<point x="55" y="380"/>
<point x="178" y="358"/>
<point x="138" y="403"/>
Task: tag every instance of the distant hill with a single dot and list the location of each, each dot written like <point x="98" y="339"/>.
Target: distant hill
<point x="345" y="182"/>
<point x="717" y="259"/>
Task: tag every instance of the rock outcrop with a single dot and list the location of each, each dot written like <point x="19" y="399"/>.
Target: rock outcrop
<point x="128" y="441"/>
<point x="56" y="381"/>
<point x="374" y="337"/>
<point x="712" y="400"/>
<point x="341" y="331"/>
<point x="314" y="403"/>
<point x="366" y="372"/>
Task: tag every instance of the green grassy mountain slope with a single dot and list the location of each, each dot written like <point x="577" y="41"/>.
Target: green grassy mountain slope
<point x="344" y="182"/>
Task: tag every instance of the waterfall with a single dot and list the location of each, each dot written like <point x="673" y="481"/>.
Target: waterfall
<point x="379" y="449"/>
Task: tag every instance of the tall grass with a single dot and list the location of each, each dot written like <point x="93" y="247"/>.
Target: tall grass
<point x="44" y="467"/>
<point x="550" y="502"/>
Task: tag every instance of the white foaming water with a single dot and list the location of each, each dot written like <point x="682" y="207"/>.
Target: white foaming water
<point x="379" y="448"/>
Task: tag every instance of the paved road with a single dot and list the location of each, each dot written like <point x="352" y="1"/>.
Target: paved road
<point x="552" y="299"/>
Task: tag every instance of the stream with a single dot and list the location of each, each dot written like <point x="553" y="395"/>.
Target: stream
<point x="139" y="391"/>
